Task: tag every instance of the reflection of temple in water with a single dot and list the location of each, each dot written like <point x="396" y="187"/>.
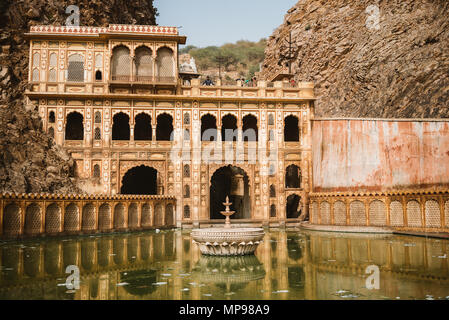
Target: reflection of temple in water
<point x="286" y="266"/>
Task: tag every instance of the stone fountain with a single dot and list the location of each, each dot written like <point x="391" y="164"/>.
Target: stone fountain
<point x="227" y="241"/>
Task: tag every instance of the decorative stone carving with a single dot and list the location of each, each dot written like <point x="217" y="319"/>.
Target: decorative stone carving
<point x="227" y="242"/>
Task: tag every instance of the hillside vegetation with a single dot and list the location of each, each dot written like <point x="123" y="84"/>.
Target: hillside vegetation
<point x="240" y="59"/>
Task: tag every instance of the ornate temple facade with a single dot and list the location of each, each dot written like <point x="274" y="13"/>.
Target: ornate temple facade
<point x="115" y="99"/>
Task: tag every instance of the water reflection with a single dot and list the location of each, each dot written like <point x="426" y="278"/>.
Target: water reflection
<point x="229" y="274"/>
<point x="287" y="265"/>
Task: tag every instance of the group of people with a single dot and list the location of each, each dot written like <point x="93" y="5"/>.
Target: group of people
<point x="243" y="82"/>
<point x="248" y="82"/>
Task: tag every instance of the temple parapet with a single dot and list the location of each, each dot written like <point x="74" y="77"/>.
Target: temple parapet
<point x="28" y="215"/>
<point x="425" y="211"/>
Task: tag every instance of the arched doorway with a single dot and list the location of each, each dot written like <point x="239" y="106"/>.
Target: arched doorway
<point x="164" y="127"/>
<point x="293" y="177"/>
<point x="142" y="128"/>
<point x="293" y="207"/>
<point x="291" y="129"/>
<point x="120" y="126"/>
<point x="208" y="128"/>
<point x="250" y="130"/>
<point x="229" y="128"/>
<point x="140" y="180"/>
<point x="74" y="129"/>
<point x="233" y="182"/>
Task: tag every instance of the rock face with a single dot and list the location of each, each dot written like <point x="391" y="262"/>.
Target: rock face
<point x="29" y="159"/>
<point x="398" y="68"/>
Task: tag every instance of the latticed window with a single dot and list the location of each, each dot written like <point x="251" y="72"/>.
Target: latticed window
<point x="33" y="219"/>
<point x="169" y="219"/>
<point x="165" y="64"/>
<point x="432" y="211"/>
<point x="377" y="213"/>
<point x="325" y="209"/>
<point x="119" y="216"/>
<point x="339" y="213"/>
<point x="186" y="212"/>
<point x="75" y="70"/>
<point x="158" y="215"/>
<point x="104" y="217"/>
<point x="89" y="217"/>
<point x="98" y="61"/>
<point x="270" y="119"/>
<point x="144" y="64"/>
<point x="186" y="171"/>
<point x="53" y="218"/>
<point x="121" y="64"/>
<point x="187" y="118"/>
<point x="36" y="59"/>
<point x="97" y="117"/>
<point x="133" y="216"/>
<point x="97" y="134"/>
<point x="11" y="220"/>
<point x="357" y="215"/>
<point x="146" y="215"/>
<point x="414" y="214"/>
<point x="36" y="75"/>
<point x="71" y="218"/>
<point x="52" y="76"/>
<point x="97" y="171"/>
<point x="53" y="61"/>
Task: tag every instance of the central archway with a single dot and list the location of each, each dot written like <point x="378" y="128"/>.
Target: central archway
<point x="293" y="206"/>
<point x="233" y="182"/>
<point x="140" y="180"/>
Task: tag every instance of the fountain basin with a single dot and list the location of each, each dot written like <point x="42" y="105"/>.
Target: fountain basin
<point x="227" y="241"/>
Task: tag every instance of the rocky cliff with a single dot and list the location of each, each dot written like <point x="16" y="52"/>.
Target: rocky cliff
<point x="370" y="58"/>
<point x="29" y="159"/>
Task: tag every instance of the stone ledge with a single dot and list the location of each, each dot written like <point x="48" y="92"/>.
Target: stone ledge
<point x="373" y="230"/>
<point x="348" y="229"/>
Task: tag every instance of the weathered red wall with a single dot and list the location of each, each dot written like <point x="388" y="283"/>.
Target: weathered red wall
<point x="350" y="155"/>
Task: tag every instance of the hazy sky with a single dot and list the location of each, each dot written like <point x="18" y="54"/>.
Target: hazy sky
<point x="215" y="22"/>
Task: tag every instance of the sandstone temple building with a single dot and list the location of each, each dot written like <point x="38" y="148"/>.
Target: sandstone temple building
<point x="156" y="147"/>
<point x="115" y="98"/>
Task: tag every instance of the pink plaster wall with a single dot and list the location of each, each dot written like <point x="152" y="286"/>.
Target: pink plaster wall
<point x="350" y="155"/>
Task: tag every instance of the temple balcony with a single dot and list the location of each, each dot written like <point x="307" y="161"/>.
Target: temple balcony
<point x="143" y="81"/>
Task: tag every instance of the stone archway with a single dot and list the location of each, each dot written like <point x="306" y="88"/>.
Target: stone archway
<point x="293" y="206"/>
<point x="140" y="180"/>
<point x="233" y="182"/>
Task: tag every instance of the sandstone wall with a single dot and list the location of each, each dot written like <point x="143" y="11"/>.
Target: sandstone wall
<point x="365" y="155"/>
<point x="398" y="71"/>
<point x="29" y="159"/>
